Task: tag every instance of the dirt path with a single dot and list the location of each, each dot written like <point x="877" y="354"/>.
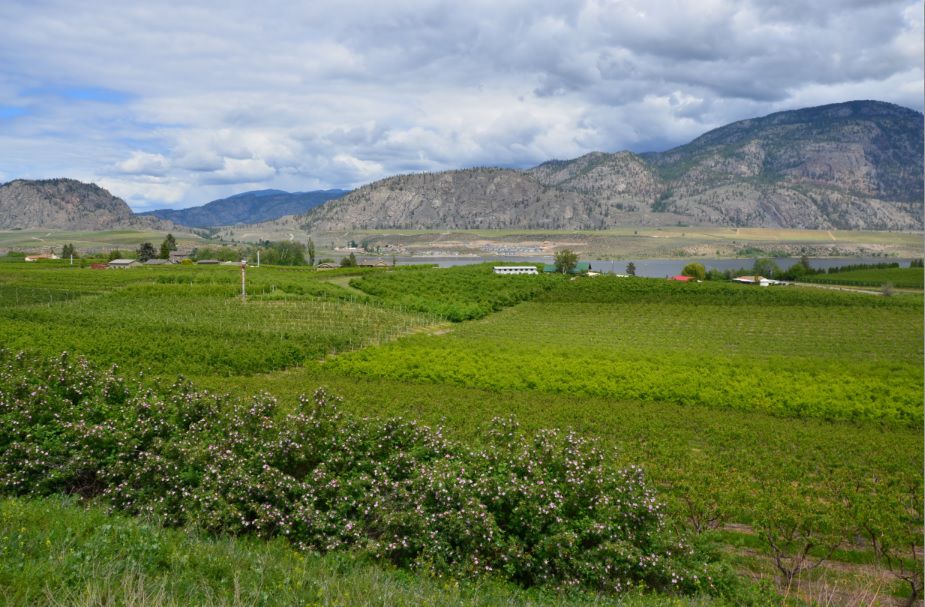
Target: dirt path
<point x="344" y="283"/>
<point x="836" y="288"/>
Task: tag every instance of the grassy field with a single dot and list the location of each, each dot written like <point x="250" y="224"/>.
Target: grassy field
<point x="747" y="407"/>
<point x="901" y="278"/>
<point x="83" y="241"/>
<point x="55" y="552"/>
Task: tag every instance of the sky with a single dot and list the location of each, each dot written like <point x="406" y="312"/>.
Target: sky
<point x="174" y="104"/>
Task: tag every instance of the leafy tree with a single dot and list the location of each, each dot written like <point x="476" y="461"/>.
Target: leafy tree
<point x="115" y="254"/>
<point x="169" y="244"/>
<point x="311" y="252"/>
<point x="68" y="250"/>
<point x="694" y="270"/>
<point x="765" y="267"/>
<point x="566" y="260"/>
<point x="349" y="262"/>
<point x="285" y="253"/>
<point x="146" y="251"/>
<point x="631" y="268"/>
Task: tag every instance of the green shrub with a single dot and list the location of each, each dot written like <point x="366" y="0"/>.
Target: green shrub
<point x="542" y="509"/>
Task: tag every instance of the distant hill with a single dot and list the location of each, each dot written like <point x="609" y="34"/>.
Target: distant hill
<point x="854" y="165"/>
<point x="67" y="204"/>
<point x="248" y="207"/>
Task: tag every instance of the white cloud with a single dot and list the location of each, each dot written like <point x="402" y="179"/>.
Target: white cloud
<point x="142" y="194"/>
<point x="213" y="96"/>
<point x="243" y="171"/>
<point x="142" y="163"/>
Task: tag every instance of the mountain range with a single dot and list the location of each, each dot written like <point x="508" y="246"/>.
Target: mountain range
<point x="854" y="165"/>
<point x="248" y="207"/>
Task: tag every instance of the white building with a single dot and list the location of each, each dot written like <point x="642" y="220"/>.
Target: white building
<point x="515" y="270"/>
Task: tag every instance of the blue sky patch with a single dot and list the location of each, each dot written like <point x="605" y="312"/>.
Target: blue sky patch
<point x="8" y="112"/>
<point x="80" y="93"/>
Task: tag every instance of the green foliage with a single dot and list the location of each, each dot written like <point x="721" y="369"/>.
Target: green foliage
<point x="145" y="252"/>
<point x="765" y="267"/>
<point x="223" y="253"/>
<point x="545" y="509"/>
<point x="68" y="251"/>
<point x="565" y="261"/>
<point x="718" y="345"/>
<point x="188" y="320"/>
<point x="456" y="294"/>
<point x="115" y="254"/>
<point x="694" y="270"/>
<point x="56" y="552"/>
<point x="284" y="253"/>
<point x="349" y="262"/>
<point x="169" y="244"/>
<point x="905" y="278"/>
<point x="631" y="268"/>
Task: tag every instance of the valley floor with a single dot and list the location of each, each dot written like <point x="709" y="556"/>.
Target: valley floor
<point x="770" y="420"/>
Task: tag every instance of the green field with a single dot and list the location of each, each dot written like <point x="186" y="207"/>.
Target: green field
<point x="901" y="278"/>
<point x="790" y="352"/>
<point x="749" y="409"/>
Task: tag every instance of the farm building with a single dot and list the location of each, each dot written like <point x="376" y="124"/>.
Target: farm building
<point x="757" y="280"/>
<point x="327" y="266"/>
<point x="41" y="257"/>
<point x="123" y="263"/>
<point x="582" y="267"/>
<point x="177" y="257"/>
<point x="503" y="270"/>
<point x="208" y="262"/>
<point x="373" y="263"/>
<point x="157" y="262"/>
<point x="682" y="278"/>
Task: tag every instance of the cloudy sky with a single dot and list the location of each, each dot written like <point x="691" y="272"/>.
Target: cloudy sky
<point x="178" y="103"/>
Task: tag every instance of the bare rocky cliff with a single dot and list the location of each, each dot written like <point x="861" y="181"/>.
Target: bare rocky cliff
<point x="854" y="165"/>
<point x="67" y="204"/>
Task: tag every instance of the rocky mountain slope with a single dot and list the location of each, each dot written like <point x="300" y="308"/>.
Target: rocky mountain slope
<point x="854" y="165"/>
<point x="248" y="207"/>
<point x="67" y="204"/>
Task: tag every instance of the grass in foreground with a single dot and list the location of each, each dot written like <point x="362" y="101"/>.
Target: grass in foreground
<point x="54" y="552"/>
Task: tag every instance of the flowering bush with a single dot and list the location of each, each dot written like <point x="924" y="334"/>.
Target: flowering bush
<point x="541" y="509"/>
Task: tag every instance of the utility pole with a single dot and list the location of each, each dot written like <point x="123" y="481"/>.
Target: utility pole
<point x="258" y="258"/>
<point x="243" y="273"/>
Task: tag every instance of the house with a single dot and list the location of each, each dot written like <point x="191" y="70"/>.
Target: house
<point x="177" y="257"/>
<point x="582" y="267"/>
<point x="123" y="263"/>
<point x="369" y="263"/>
<point x="327" y="266"/>
<point x="504" y="270"/>
<point x="157" y="262"/>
